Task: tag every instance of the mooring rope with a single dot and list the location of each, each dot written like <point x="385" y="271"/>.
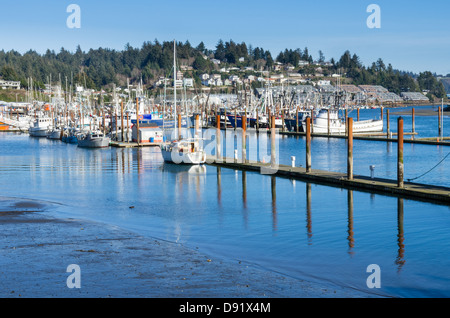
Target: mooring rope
<point x="409" y="180"/>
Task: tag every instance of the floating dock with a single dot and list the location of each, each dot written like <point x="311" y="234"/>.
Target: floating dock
<point x="415" y="191"/>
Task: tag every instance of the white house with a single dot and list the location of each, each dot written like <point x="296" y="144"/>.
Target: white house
<point x="9" y="84"/>
<point x="188" y="82"/>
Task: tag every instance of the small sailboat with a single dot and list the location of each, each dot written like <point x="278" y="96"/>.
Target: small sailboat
<point x="185" y="151"/>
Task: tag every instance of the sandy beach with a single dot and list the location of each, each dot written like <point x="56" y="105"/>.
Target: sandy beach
<point x="37" y="249"/>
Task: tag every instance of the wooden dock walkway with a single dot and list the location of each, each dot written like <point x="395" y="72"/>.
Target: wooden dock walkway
<point x="415" y="191"/>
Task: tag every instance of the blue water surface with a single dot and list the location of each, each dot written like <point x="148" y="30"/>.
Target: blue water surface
<point x="306" y="231"/>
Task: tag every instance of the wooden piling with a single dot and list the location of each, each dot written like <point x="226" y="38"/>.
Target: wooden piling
<point x="273" y="157"/>
<point x="296" y="126"/>
<point x="388" y="128"/>
<point x="308" y="144"/>
<point x="413" y="122"/>
<point x="329" y="122"/>
<point x="257" y="121"/>
<point x="218" y="141"/>
<point x="400" y="164"/>
<point x="357" y="113"/>
<point x="121" y="121"/>
<point x="346" y="122"/>
<point x="244" y="138"/>
<point x="350" y="149"/>
<point x="439" y="122"/>
<point x="138" y="135"/>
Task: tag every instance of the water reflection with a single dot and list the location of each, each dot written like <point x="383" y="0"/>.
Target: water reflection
<point x="400" y="261"/>
<point x="219" y="186"/>
<point x="273" y="183"/>
<point x="308" y="214"/>
<point x="351" y="240"/>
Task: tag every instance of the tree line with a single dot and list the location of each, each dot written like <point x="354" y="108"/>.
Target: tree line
<point x="100" y="68"/>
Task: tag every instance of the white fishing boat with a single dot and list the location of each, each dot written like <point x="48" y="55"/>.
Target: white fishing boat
<point x="93" y="139"/>
<point x="54" y="133"/>
<point x="186" y="151"/>
<point x="337" y="124"/>
<point x="40" y="127"/>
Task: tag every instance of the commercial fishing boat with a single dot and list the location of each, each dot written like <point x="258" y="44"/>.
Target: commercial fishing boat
<point x="40" y="127"/>
<point x="337" y="124"/>
<point x="93" y="139"/>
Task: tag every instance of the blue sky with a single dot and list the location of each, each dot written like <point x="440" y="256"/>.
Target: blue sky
<point x="414" y="35"/>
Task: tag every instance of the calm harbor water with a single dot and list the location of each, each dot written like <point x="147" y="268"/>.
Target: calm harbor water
<point x="306" y="231"/>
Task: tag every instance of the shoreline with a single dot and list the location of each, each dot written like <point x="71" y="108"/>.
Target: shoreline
<point x="117" y="263"/>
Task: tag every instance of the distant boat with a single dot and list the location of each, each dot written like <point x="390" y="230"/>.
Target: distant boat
<point x="93" y="139"/>
<point x="186" y="151"/>
<point x="337" y="124"/>
<point x="40" y="127"/>
<point x="70" y="135"/>
<point x="291" y="123"/>
<point x="54" y="133"/>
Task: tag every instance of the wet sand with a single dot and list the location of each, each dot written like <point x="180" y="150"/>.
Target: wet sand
<point x="35" y="251"/>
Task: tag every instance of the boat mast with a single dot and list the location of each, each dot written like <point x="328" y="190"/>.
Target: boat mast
<point x="175" y="87"/>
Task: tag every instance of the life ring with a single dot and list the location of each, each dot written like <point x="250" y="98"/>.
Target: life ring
<point x="141" y="117"/>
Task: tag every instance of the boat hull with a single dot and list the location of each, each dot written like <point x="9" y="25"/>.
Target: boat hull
<point x="38" y="132"/>
<point x="94" y="143"/>
<point x="192" y="158"/>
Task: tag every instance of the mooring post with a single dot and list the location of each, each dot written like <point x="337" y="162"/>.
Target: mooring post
<point x="328" y="118"/>
<point x="439" y="122"/>
<point x="350" y="148"/>
<point x="121" y="122"/>
<point x="296" y="126"/>
<point x="388" y="128"/>
<point x="218" y="142"/>
<point x="400" y="164"/>
<point x="308" y="144"/>
<point x="138" y="133"/>
<point x="244" y="138"/>
<point x="257" y="121"/>
<point x="346" y="122"/>
<point x="273" y="155"/>
<point x="413" y="122"/>
<point x="357" y="113"/>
